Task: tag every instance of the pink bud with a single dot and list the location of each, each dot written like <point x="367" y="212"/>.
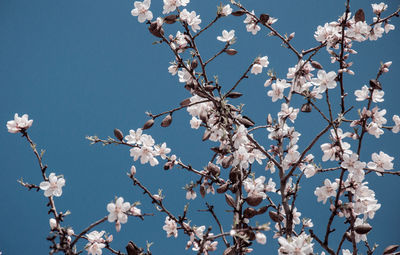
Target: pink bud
<point x="133" y="170"/>
<point x="110" y="238"/>
<point x="118" y="226"/>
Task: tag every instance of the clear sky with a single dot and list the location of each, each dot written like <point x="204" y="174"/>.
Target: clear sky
<point x="85" y="67"/>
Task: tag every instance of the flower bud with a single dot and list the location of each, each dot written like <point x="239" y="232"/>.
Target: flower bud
<point x="156" y="30"/>
<point x="209" y="88"/>
<point x="291" y="36"/>
<point x="306" y="107"/>
<point x="202" y="190"/>
<point x="118" y="134"/>
<point x="206" y="135"/>
<point x="118" y="226"/>
<point x="264" y="18"/>
<point x="254" y="200"/>
<point x="359" y="16"/>
<point x="223" y="188"/>
<point x="194" y="64"/>
<point x="316" y="65"/>
<point x="390" y="249"/>
<point x="170" y="19"/>
<point x="185" y="102"/>
<point x="166" y="121"/>
<point x="375" y="84"/>
<point x="213" y="169"/>
<point x="148" y="124"/>
<point x="275" y="216"/>
<point x="133" y="170"/>
<point x="246" y="121"/>
<point x="53" y="223"/>
<point x="362" y="229"/>
<point x="249" y="212"/>
<point x="261" y="238"/>
<point x="70" y="231"/>
<point x="238" y="13"/>
<point x="231" y="52"/>
<point x="234" y="95"/>
<point x="227" y="161"/>
<point x="229" y="200"/>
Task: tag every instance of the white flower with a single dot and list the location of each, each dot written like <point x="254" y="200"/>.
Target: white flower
<point x="19" y="123"/>
<point x="170" y="227"/>
<point x="135" y="211"/>
<point x="173" y="68"/>
<point x="288" y="112"/>
<point x="96" y="242"/>
<point x="191" y="194"/>
<point x="359" y="31"/>
<point x="261" y="238"/>
<point x="226" y="10"/>
<point x="309" y="170"/>
<point x="378" y="8"/>
<point x="325" y="80"/>
<point x="226" y="36"/>
<point x="258" y="65"/>
<point x="381" y="162"/>
<point x="146" y="152"/>
<point x="396" y="127"/>
<point x="346" y="252"/>
<point x="191" y="19"/>
<point x="170" y="5"/>
<point x="278" y="89"/>
<point x="195" y="123"/>
<point x="377" y="31"/>
<point x="134" y="137"/>
<point x="142" y="10"/>
<point x="251" y="24"/>
<point x="388" y="27"/>
<point x="296" y="245"/>
<point x="328" y="190"/>
<point x="53" y="187"/>
<point x="162" y="150"/>
<point x="362" y="94"/>
<point x="117" y="211"/>
<point x="53" y="223"/>
<point x="255" y="187"/>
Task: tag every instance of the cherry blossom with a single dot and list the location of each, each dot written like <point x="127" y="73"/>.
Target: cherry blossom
<point x="381" y="162"/>
<point x="142" y="10"/>
<point x="162" y="150"/>
<point x="326" y="191"/>
<point x="379" y="8"/>
<point x="19" y="123"/>
<point x="298" y="245"/>
<point x="170" y="5"/>
<point x="258" y="65"/>
<point x="225" y="10"/>
<point x="146" y="152"/>
<point x="191" y="19"/>
<point x="95" y="242"/>
<point x="53" y="187"/>
<point x="251" y="24"/>
<point x="134" y="137"/>
<point x="226" y="36"/>
<point x="117" y="212"/>
<point x="288" y="112"/>
<point x="362" y="94"/>
<point x="396" y="127"/>
<point x="261" y="238"/>
<point x="170" y="227"/>
<point x="325" y="80"/>
<point x="277" y="89"/>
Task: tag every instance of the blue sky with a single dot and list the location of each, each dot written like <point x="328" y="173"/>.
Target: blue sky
<point x="83" y="68"/>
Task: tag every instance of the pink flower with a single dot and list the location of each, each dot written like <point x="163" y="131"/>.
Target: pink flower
<point x="117" y="212"/>
<point x="96" y="243"/>
<point x="142" y="10"/>
<point x="326" y="191"/>
<point x="170" y="227"/>
<point x="53" y="187"/>
<point x="325" y="80"/>
<point x="19" y="123"/>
